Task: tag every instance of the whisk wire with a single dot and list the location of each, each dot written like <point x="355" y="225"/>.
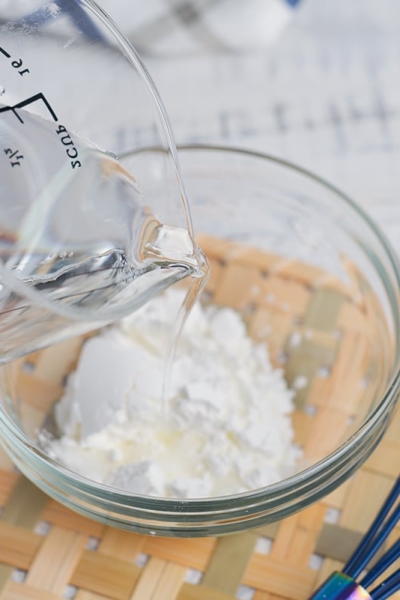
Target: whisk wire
<point x="343" y="585"/>
<point x="383" y="563"/>
<point x="375" y="536"/>
<point x="387" y="587"/>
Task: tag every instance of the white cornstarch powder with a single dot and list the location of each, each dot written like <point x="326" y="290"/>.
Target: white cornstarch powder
<point x="225" y="427"/>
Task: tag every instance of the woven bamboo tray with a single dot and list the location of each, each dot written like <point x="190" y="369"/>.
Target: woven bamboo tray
<point x="48" y="552"/>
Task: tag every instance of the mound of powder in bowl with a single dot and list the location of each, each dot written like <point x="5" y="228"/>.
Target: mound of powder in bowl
<point x="224" y="428"/>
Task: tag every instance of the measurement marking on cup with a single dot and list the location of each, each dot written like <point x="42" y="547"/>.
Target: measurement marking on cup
<point x="13" y="154"/>
<point x="28" y="101"/>
<point x="61" y="131"/>
<point x="16" y="64"/>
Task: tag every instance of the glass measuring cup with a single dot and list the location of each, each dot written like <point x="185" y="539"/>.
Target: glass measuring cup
<point x="82" y="241"/>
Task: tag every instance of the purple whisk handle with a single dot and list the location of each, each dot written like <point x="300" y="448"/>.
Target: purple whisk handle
<point x="340" y="587"/>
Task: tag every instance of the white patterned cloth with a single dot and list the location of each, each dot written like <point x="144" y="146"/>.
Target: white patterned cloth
<point x="176" y="27"/>
<point x="173" y="27"/>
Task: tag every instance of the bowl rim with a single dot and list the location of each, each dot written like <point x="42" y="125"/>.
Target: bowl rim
<point x="283" y="488"/>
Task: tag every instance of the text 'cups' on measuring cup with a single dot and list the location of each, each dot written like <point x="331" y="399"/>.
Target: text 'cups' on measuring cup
<point x="82" y="241"/>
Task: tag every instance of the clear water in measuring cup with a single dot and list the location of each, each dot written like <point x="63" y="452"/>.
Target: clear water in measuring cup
<point x="79" y="245"/>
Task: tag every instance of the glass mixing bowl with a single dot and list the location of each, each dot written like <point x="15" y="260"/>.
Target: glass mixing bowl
<point x="314" y="278"/>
